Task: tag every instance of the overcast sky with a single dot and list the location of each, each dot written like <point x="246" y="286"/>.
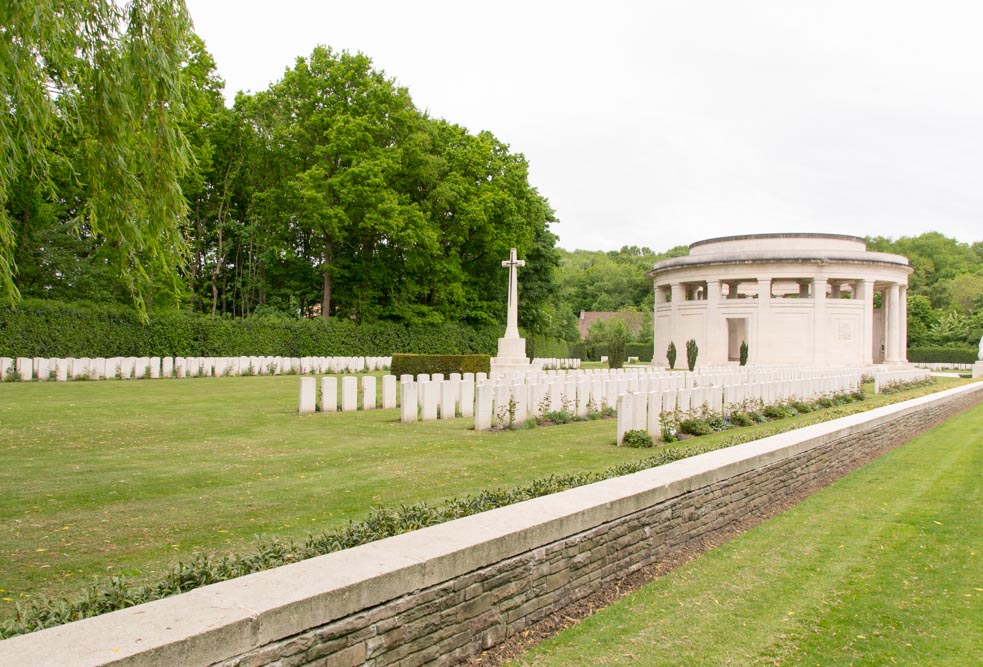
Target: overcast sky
<point x="662" y="123"/>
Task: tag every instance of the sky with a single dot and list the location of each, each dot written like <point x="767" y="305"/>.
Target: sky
<point x="662" y="123"/>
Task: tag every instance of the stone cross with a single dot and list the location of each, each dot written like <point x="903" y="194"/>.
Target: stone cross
<point x="512" y="324"/>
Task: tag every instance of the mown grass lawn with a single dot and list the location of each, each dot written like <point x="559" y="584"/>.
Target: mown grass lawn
<point x="885" y="567"/>
<point x="108" y="478"/>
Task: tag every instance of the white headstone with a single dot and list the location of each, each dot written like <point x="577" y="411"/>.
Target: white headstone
<point x="653" y="418"/>
<point x="640" y="412"/>
<point x="448" y="399"/>
<point x="430" y="399"/>
<point x="467" y="398"/>
<point x="349" y="394"/>
<point x="329" y="394"/>
<point x="308" y="389"/>
<point x="483" y="407"/>
<point x="167" y="367"/>
<point x="25" y="369"/>
<point x="6" y="363"/>
<point x="408" y="402"/>
<point x="626" y="404"/>
<point x="388" y="391"/>
<point x="61" y="370"/>
<point x="368" y="392"/>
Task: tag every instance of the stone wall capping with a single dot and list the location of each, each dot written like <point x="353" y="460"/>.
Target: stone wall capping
<point x="239" y="617"/>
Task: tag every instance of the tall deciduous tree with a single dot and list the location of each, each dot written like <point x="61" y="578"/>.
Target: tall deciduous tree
<point x="109" y="78"/>
<point x="334" y="129"/>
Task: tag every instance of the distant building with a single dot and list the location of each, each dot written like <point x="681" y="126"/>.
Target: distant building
<point x="633" y="321"/>
<point x="793" y="298"/>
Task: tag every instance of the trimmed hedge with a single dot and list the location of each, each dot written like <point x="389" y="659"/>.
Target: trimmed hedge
<point x="942" y="355"/>
<point x="541" y="347"/>
<point x="641" y="350"/>
<point x="36" y="328"/>
<point x="415" y="364"/>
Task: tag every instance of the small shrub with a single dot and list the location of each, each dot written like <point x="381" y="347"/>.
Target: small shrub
<point x="801" y="407"/>
<point x="743" y="353"/>
<point x="559" y="417"/>
<point x="636" y="438"/>
<point x="776" y="412"/>
<point x="671" y="355"/>
<point x="718" y="423"/>
<point x="741" y="419"/>
<point x="758" y="417"/>
<point x="695" y="426"/>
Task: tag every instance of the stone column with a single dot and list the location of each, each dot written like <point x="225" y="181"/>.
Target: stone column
<point x="903" y="328"/>
<point x="893" y="324"/>
<point x="819" y="351"/>
<point x="757" y="342"/>
<point x="712" y="332"/>
<point x="866" y="288"/>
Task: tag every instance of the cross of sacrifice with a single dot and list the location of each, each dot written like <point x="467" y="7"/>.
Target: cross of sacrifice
<point x="512" y="324"/>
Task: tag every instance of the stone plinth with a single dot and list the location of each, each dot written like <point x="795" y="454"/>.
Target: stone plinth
<point x="978" y="369"/>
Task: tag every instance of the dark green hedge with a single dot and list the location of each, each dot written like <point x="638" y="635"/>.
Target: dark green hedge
<point x="641" y="350"/>
<point x="942" y="355"/>
<point x="415" y="364"/>
<point x="541" y="347"/>
<point x="37" y="328"/>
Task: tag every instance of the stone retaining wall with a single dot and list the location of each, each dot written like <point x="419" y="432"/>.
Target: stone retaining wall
<point x="445" y="593"/>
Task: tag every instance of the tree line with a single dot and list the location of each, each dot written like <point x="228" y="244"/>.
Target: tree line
<point x="125" y="178"/>
<point x="327" y="195"/>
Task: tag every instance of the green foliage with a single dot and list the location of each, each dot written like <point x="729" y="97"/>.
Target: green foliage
<point x="52" y="329"/>
<point x="695" y="426"/>
<point x="617" y="340"/>
<point x="416" y="364"/>
<point x="543" y="347"/>
<point x="636" y="438"/>
<point x="741" y="419"/>
<point x="692" y="351"/>
<point x="943" y="355"/>
<point x="671" y="354"/>
<point x="641" y="350"/>
<point x="743" y="353"/>
<point x="94" y="90"/>
<point x="776" y="411"/>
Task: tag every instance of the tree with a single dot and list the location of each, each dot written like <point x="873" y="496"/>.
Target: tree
<point x="107" y="79"/>
<point x="692" y="351"/>
<point x="334" y="131"/>
<point x="617" y="340"/>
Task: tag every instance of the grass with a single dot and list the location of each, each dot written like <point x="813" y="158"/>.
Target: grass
<point x="109" y="478"/>
<point x="884" y="567"/>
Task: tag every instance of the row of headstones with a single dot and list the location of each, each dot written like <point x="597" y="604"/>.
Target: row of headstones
<point x="708" y="375"/>
<point x="943" y="366"/>
<point x="885" y="377"/>
<point x="25" y="369"/>
<point x="348" y="399"/>
<point x="550" y="363"/>
<point x="644" y="411"/>
<point x="509" y="402"/>
<point x="432" y="397"/>
<point x="675" y="380"/>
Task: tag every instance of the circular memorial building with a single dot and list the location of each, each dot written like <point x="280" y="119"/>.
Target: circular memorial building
<point x="800" y="299"/>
